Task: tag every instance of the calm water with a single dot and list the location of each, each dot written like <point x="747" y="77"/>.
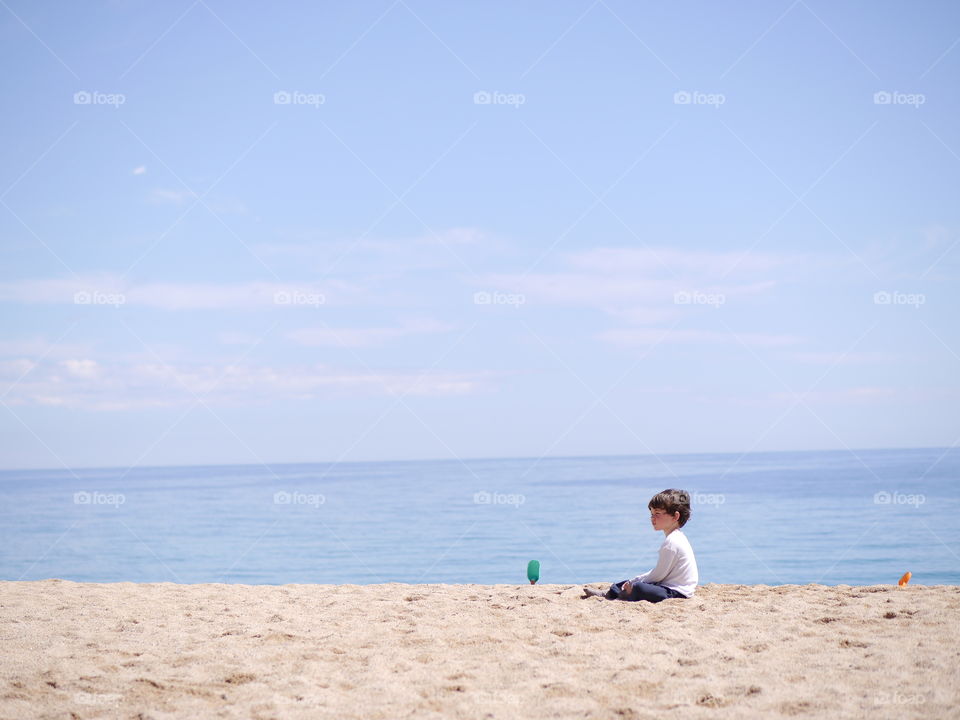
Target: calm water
<point x="762" y="518"/>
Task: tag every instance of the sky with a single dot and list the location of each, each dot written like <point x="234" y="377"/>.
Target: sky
<point x="315" y="232"/>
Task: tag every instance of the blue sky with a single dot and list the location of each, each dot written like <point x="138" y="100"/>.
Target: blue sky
<point x="396" y="230"/>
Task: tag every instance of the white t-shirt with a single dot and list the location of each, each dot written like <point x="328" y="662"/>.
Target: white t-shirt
<point x="676" y="567"/>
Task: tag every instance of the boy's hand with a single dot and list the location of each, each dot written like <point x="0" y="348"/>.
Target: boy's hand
<point x="626" y="588"/>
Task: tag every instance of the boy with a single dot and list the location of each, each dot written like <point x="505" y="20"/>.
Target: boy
<point x="675" y="575"/>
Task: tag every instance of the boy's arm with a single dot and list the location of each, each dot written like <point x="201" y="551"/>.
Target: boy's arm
<point x="664" y="564"/>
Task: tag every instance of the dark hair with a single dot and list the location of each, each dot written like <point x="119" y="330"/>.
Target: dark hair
<point x="672" y="501"/>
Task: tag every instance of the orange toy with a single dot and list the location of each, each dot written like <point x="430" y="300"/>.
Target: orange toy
<point x="905" y="579"/>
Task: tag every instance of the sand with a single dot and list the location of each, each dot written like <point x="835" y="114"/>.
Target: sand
<point x="85" y="650"/>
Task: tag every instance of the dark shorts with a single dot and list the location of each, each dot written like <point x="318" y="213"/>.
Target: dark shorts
<point x="651" y="592"/>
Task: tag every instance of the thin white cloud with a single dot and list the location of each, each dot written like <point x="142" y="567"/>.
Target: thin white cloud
<point x="650" y="288"/>
<point x="163" y="196"/>
<point x="374" y="256"/>
<point x="319" y="246"/>
<point x="364" y="337"/>
<point x="36" y="347"/>
<point x="206" y="296"/>
<point x="647" y="315"/>
<point x="842" y="396"/>
<point x="219" y="204"/>
<point x="613" y="292"/>
<point x="628" y="280"/>
<point x="232" y="337"/>
<point x="670" y="262"/>
<point x="226" y="206"/>
<point x="839" y="357"/>
<point x="111" y="290"/>
<point x="140" y="170"/>
<point x="13" y="369"/>
<point x="88" y="384"/>
<point x="639" y="337"/>
<point x="81" y="368"/>
<point x="456" y="236"/>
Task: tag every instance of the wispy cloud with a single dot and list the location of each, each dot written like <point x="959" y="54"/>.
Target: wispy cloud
<point x="669" y="261"/>
<point x="376" y="255"/>
<point x="839" y="357"/>
<point x="365" y="337"/>
<point x="651" y="287"/>
<point x="36" y="346"/>
<point x="109" y="289"/>
<point x="640" y="283"/>
<point x="180" y="198"/>
<point x="162" y="196"/>
<point x="89" y="384"/>
<point x="843" y="396"/>
<point x="637" y="337"/>
<point x="232" y="337"/>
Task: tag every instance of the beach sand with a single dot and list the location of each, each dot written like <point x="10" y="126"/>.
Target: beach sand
<point x="85" y="650"/>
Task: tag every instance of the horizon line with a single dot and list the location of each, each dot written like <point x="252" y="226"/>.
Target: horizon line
<point x="129" y="468"/>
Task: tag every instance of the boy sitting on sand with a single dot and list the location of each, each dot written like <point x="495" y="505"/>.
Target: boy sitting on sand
<point x="675" y="575"/>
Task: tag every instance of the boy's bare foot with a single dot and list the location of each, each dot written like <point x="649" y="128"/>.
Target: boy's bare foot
<point x="590" y="592"/>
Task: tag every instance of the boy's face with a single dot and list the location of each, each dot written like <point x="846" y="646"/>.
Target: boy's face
<point x="662" y="520"/>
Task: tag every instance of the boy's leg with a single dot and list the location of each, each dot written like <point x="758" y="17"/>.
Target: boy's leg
<point x="614" y="592"/>
<point x="651" y="592"/>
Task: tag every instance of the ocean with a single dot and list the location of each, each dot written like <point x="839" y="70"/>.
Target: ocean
<point x="832" y="517"/>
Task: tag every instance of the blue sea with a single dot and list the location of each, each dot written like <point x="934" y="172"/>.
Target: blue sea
<point x="844" y="517"/>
